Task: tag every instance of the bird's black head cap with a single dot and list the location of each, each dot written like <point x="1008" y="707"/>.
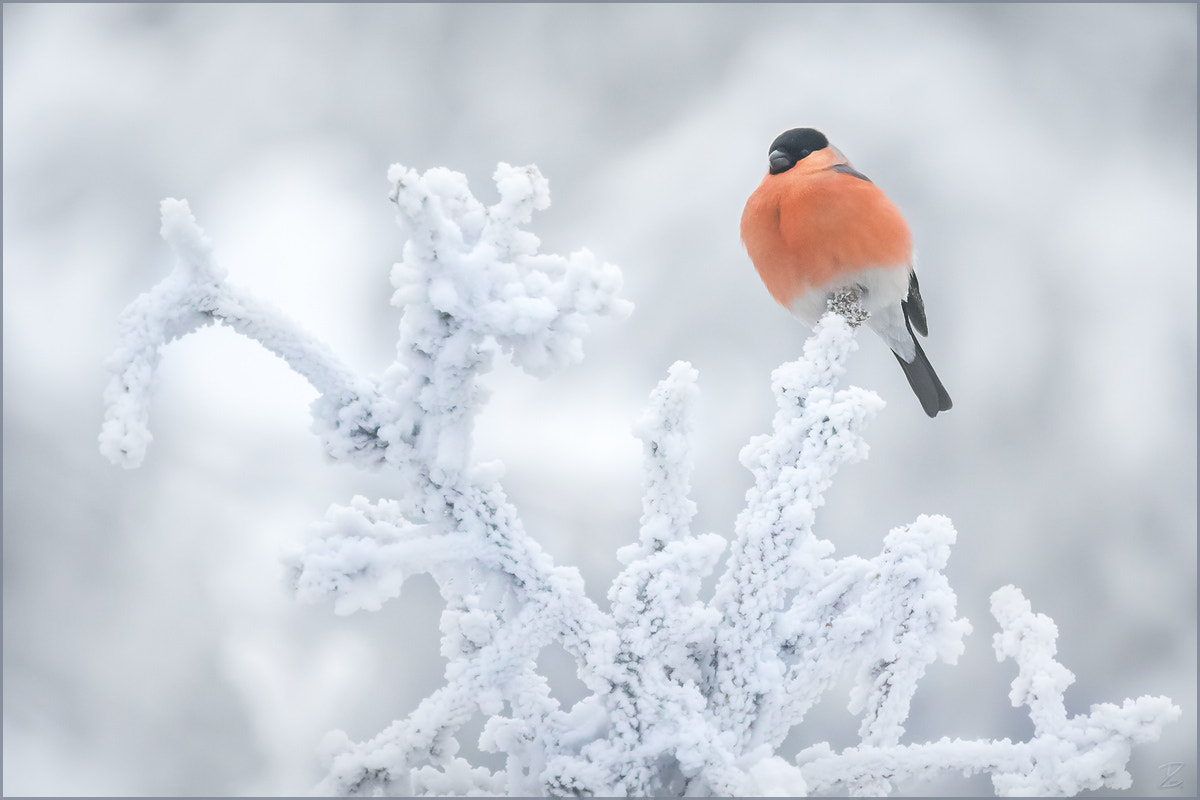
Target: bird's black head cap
<point x="792" y="146"/>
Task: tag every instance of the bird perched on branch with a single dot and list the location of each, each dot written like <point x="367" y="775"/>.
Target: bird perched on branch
<point x="816" y="227"/>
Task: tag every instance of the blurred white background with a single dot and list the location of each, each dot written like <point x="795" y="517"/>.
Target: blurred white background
<point x="1045" y="157"/>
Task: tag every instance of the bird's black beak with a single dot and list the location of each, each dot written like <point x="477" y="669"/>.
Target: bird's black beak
<point x="780" y="162"/>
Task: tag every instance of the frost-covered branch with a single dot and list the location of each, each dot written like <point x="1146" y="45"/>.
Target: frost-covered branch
<point x="661" y="733"/>
<point x="687" y="695"/>
<point x="774" y="552"/>
<point x="1066" y="755"/>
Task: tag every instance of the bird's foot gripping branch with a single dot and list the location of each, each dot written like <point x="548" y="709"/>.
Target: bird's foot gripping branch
<point x="847" y="303"/>
<point x="687" y="694"/>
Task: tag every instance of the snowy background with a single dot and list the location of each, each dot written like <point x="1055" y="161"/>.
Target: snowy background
<point x="1045" y="158"/>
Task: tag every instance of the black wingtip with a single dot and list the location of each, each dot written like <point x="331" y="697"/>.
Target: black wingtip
<point x="925" y="383"/>
<point x="914" y="306"/>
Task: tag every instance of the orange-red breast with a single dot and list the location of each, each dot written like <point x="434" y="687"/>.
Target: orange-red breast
<point x="816" y="225"/>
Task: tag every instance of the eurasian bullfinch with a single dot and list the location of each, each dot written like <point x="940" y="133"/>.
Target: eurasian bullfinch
<point x="816" y="225"/>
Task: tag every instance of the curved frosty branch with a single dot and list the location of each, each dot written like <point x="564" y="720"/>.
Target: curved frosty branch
<point x="193" y="295"/>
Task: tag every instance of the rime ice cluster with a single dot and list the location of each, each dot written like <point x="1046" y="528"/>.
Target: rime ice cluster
<point x="688" y="695"/>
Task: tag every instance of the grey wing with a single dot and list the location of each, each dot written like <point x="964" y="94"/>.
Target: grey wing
<point x="846" y="169"/>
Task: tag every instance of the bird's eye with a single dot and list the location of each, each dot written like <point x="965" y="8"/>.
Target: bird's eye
<point x="803" y="154"/>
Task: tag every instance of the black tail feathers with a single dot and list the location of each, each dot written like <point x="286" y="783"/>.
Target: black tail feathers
<point x="920" y="374"/>
<point x="925" y="382"/>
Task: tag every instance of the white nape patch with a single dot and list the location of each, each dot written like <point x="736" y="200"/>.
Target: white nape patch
<point x="880" y="291"/>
